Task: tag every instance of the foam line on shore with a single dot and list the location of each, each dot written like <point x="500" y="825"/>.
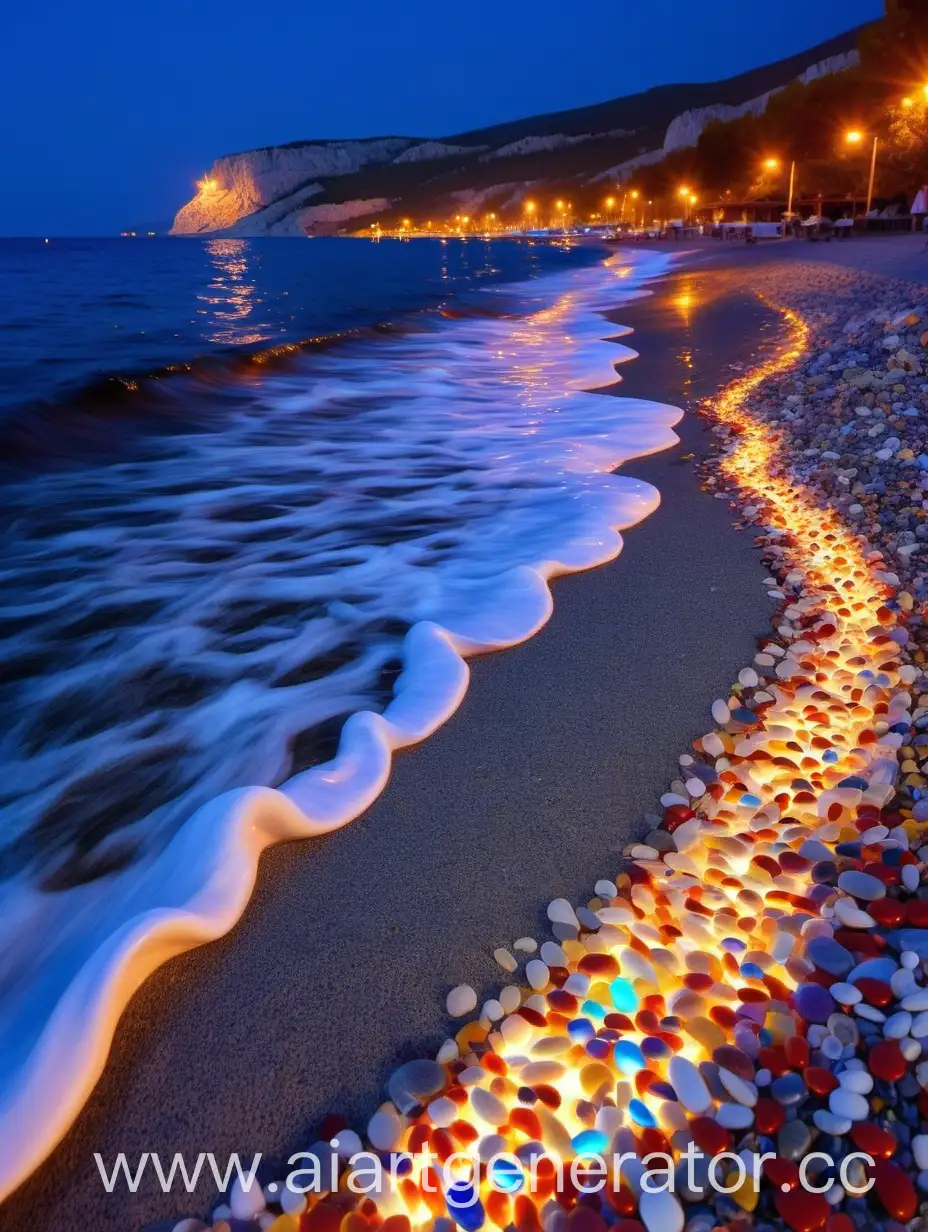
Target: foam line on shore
<point x="195" y="888"/>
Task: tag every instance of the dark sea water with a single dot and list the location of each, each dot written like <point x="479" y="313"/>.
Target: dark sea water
<point x="73" y="311"/>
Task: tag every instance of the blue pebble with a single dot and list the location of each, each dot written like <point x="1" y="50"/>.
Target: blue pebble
<point x="593" y="1009"/>
<point x="829" y="956"/>
<point x="788" y="1090"/>
<point x="628" y="1057"/>
<point x="663" y="1090"/>
<point x="655" y="1048"/>
<point x="590" y="1142"/>
<point x="750" y="800"/>
<point x="624" y="997"/>
<point x="580" y="1030"/>
<point x="751" y="971"/>
<point x="641" y="1114"/>
<point x="814" y="1003"/>
<point x="599" y="1049"/>
<point x="830" y="756"/>
<point x="506" y="1175"/>
<point x="464" y="1206"/>
<point x="734" y="945"/>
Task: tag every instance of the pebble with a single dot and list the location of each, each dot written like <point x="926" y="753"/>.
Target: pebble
<point x="461" y="1000"/>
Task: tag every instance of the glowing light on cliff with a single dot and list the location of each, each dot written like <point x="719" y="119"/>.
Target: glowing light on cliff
<point x="208" y="184"/>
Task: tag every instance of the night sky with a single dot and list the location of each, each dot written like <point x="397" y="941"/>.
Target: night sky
<point x="110" y="109"/>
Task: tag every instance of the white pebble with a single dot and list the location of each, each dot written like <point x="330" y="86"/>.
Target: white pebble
<point x="553" y="955"/>
<point x="910" y="877"/>
<point x="447" y="1052"/>
<point x="856" y="1080"/>
<point x="246" y="1203"/>
<point x="605" y="889"/>
<point x="536" y="972"/>
<point x="492" y="1010"/>
<point x="847" y="994"/>
<point x="461" y="1000"/>
<point x="898" y="1025"/>
<point x="525" y="945"/>
<point x="487" y="1106"/>
<point x="689" y="1085"/>
<point x="908" y="958"/>
<point x="442" y="1112"/>
<point x="911" y="1049"/>
<point x="385" y="1128"/>
<point x="920" y="1151"/>
<point x="561" y="912"/>
<point x="505" y="960"/>
<point x="661" y="1212"/>
<point x="720" y="712"/>
<point x="510" y="998"/>
<point x="919" y="1027"/>
<point x="849" y="1104"/>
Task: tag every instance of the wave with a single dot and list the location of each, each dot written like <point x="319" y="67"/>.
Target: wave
<point x="197" y="628"/>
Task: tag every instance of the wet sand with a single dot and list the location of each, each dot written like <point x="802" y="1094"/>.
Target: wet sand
<point x="340" y="965"/>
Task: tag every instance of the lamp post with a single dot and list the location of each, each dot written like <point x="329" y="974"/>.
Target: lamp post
<point x="772" y="164"/>
<point x="530" y="212"/>
<point x="854" y="137"/>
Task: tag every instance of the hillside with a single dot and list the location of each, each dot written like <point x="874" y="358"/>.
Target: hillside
<point x="324" y="186"/>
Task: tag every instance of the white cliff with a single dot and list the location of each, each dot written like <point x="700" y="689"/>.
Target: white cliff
<point x="240" y="185"/>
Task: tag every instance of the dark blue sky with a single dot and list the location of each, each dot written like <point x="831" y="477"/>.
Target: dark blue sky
<point x="111" y="108"/>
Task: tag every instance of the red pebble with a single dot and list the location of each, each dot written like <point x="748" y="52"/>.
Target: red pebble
<point x="886" y="1061"/>
<point x="321" y="1218"/>
<point x="819" y="1081"/>
<point x="887" y="911"/>
<point x="875" y="991"/>
<point x="895" y="1190"/>
<point x="873" y="1140"/>
<point x="768" y="1115"/>
<point x="839" y="1222"/>
<point x="803" y="1211"/>
<point x="797" y="1051"/>
<point x="675" y="816"/>
<point x="780" y="1172"/>
<point x="773" y="1059"/>
<point x="709" y="1135"/>
<point x="916" y="912"/>
<point x="860" y="943"/>
<point x="582" y="1219"/>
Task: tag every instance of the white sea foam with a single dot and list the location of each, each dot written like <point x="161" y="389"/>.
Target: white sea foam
<point x="185" y="624"/>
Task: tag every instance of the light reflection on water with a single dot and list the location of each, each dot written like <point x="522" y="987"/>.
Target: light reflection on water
<point x="232" y="297"/>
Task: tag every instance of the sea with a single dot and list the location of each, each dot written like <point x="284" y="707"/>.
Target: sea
<point x="260" y="500"/>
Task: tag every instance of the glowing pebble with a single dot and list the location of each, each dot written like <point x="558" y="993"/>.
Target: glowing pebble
<point x="623" y="995"/>
<point x="705" y="1032"/>
<point x="488" y="1107"/>
<point x="590" y="1142"/>
<point x="628" y="1057"/>
<point x="641" y="1114"/>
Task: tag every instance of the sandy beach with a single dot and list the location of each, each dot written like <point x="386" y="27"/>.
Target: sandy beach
<point x="340" y="966"/>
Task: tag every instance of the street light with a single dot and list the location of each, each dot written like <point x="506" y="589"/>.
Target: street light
<point x="854" y="136"/>
<point x="530" y="208"/>
<point x="772" y="164"/>
<point x="610" y="205"/>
